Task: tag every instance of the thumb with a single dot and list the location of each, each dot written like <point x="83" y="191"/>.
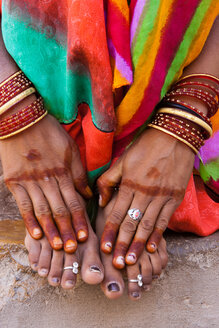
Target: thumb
<point x="108" y="181"/>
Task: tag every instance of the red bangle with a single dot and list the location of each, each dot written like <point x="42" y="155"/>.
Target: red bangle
<point x="194" y="83"/>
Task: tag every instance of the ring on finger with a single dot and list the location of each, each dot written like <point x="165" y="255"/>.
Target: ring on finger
<point x="138" y="280"/>
<point x="135" y="214"/>
<point x="74" y="267"/>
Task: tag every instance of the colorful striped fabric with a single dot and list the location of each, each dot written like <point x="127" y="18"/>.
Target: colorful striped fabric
<point x="80" y="53"/>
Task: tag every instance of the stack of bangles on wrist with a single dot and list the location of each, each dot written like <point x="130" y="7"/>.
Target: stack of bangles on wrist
<point x="184" y="121"/>
<point x="12" y="91"/>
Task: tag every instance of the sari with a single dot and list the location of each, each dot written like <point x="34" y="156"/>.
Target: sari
<point x="80" y="54"/>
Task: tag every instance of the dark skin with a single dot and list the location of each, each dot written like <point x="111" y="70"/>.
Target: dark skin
<point x="152" y="176"/>
<point x="42" y="168"/>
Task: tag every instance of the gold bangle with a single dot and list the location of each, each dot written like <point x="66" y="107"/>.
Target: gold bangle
<point x="188" y="116"/>
<point x="17" y="99"/>
<point x="10" y="78"/>
<point x="25" y="127"/>
<point x="173" y="135"/>
<point x="193" y="75"/>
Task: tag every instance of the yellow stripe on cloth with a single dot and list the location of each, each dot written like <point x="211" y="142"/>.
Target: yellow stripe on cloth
<point x="143" y="69"/>
<point x="123" y="7"/>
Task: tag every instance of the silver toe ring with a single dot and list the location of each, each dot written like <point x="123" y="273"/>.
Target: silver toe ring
<point x="74" y="267"/>
<point x="138" y="280"/>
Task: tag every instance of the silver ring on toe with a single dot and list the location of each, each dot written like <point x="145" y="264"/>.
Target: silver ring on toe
<point x="138" y="280"/>
<point x="74" y="267"/>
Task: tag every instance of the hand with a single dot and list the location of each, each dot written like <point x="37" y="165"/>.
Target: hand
<point x="42" y="169"/>
<point x="152" y="176"/>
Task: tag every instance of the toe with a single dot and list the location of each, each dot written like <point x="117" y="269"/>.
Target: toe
<point x="56" y="268"/>
<point x="146" y="271"/>
<point x="33" y="247"/>
<point x="162" y="251"/>
<point x="156" y="265"/>
<point x="45" y="258"/>
<point x="133" y="273"/>
<point x="113" y="284"/>
<point x="69" y="277"/>
<point x="92" y="271"/>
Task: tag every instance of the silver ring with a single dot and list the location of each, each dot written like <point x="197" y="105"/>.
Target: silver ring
<point x="74" y="267"/>
<point x="138" y="280"/>
<point x="135" y="214"/>
<point x="46" y="178"/>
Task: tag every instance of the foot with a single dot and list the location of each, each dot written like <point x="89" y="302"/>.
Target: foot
<point x="50" y="263"/>
<point x="149" y="266"/>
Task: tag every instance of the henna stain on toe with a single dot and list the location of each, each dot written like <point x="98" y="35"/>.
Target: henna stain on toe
<point x="155" y="190"/>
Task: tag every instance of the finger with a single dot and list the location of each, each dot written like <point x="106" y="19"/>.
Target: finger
<point x="26" y="209"/>
<point x="78" y="173"/>
<point x="144" y="230"/>
<point x="127" y="231"/>
<point x="122" y="203"/>
<point x="44" y="216"/>
<point x="161" y="225"/>
<point x="74" y="206"/>
<point x="108" y="181"/>
<point x="60" y="214"/>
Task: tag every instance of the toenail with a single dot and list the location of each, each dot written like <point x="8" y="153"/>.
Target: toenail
<point x="146" y="288"/>
<point x="69" y="283"/>
<point x="43" y="271"/>
<point x="155" y="276"/>
<point x="34" y="266"/>
<point x="131" y="258"/>
<point x="113" y="287"/>
<point x="55" y="280"/>
<point x="135" y="295"/>
<point x="94" y="268"/>
<point x="120" y="260"/>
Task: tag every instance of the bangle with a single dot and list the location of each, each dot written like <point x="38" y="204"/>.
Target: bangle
<point x="187" y="116"/>
<point x="10" y="78"/>
<point x="207" y="76"/>
<point x="23" y="119"/>
<point x="173" y="135"/>
<point x="196" y="83"/>
<point x="16" y="100"/>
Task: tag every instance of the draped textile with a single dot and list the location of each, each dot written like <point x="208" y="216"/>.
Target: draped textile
<point x="79" y="54"/>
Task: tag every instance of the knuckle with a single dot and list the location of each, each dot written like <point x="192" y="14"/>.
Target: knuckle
<point x="116" y="216"/>
<point x="128" y="227"/>
<point x="65" y="183"/>
<point x="124" y="192"/>
<point x="60" y="211"/>
<point x="42" y="209"/>
<point x="25" y="205"/>
<point x="74" y="205"/>
<point x="147" y="225"/>
<point x="162" y="222"/>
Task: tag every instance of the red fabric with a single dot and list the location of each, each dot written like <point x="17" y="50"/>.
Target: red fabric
<point x="198" y="213"/>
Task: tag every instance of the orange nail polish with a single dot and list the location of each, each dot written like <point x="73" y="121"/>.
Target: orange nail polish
<point x="151" y="248"/>
<point x="82" y="235"/>
<point x="71" y="245"/>
<point x="57" y="242"/>
<point x="107" y="247"/>
<point x="130" y="258"/>
<point x="37" y="233"/>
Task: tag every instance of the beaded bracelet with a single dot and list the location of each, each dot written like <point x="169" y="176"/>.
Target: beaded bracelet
<point x="13" y="90"/>
<point x="189" y="117"/>
<point x="23" y="119"/>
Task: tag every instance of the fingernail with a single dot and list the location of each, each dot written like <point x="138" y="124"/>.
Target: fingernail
<point x="81" y="235"/>
<point x="100" y="200"/>
<point x="108" y="247"/>
<point x="57" y="241"/>
<point x="55" y="280"/>
<point x="89" y="191"/>
<point x="69" y="283"/>
<point x="113" y="287"/>
<point x="151" y="248"/>
<point x="71" y="245"/>
<point x="94" y="268"/>
<point x="120" y="260"/>
<point x="131" y="258"/>
<point x="37" y="232"/>
<point x="135" y="295"/>
<point x="34" y="266"/>
<point x="43" y="272"/>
